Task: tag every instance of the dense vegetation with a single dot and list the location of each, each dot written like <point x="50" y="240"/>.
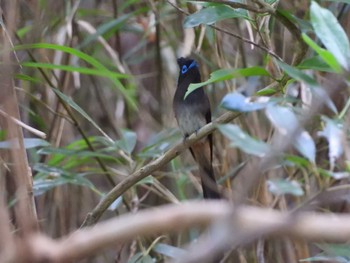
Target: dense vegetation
<point x="89" y="138"/>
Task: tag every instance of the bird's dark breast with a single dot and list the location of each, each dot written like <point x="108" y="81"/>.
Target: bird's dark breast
<point x="190" y="113"/>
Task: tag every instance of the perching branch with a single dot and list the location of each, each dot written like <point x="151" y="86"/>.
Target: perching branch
<point x="154" y="165"/>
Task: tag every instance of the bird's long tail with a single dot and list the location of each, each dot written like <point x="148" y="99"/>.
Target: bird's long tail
<point x="201" y="152"/>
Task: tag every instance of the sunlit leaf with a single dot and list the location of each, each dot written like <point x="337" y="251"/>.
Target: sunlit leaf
<point x="169" y="251"/>
<point x="213" y="14"/>
<point x="226" y="74"/>
<point x="283" y="186"/>
<point x="116" y="204"/>
<point x="330" y="32"/>
<point x="306" y="146"/>
<point x="282" y="118"/>
<point x="243" y="141"/>
<point x="333" y="132"/>
<point x="237" y="102"/>
<point x="338" y="175"/>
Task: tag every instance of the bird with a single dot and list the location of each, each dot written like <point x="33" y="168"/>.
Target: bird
<point x="191" y="114"/>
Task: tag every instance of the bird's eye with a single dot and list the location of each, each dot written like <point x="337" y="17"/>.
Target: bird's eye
<point x="184" y="69"/>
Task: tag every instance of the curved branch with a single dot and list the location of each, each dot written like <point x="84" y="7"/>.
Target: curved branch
<point x="154" y="165"/>
<point x="253" y="220"/>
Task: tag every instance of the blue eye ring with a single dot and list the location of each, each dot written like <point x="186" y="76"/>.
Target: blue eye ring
<point x="184" y="68"/>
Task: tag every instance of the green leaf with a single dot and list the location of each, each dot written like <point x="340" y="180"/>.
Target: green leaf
<point x="28" y="78"/>
<point x="340" y="250"/>
<point x="88" y="59"/>
<point x="237" y="102"/>
<point x="283" y="186"/>
<point x="213" y="14"/>
<point x="75" y="106"/>
<point x="24" y="30"/>
<point x="297" y="74"/>
<point x="87" y="71"/>
<point x="266" y="91"/>
<point x="225" y="74"/>
<point x="315" y="63"/>
<point x="305" y="26"/>
<point x="296" y="160"/>
<point x="243" y="141"/>
<point x="324" y="54"/>
<point x="330" y="32"/>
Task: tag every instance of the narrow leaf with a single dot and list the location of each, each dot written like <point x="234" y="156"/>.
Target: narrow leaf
<point x="88" y="59"/>
<point x="83" y="70"/>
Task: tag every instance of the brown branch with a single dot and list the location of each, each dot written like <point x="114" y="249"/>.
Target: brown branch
<point x="88" y="241"/>
<point x="156" y="164"/>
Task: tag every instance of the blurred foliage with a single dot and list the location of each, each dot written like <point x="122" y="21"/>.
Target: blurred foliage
<point x="97" y="77"/>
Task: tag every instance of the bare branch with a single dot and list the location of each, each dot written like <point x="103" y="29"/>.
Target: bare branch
<point x="88" y="241"/>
